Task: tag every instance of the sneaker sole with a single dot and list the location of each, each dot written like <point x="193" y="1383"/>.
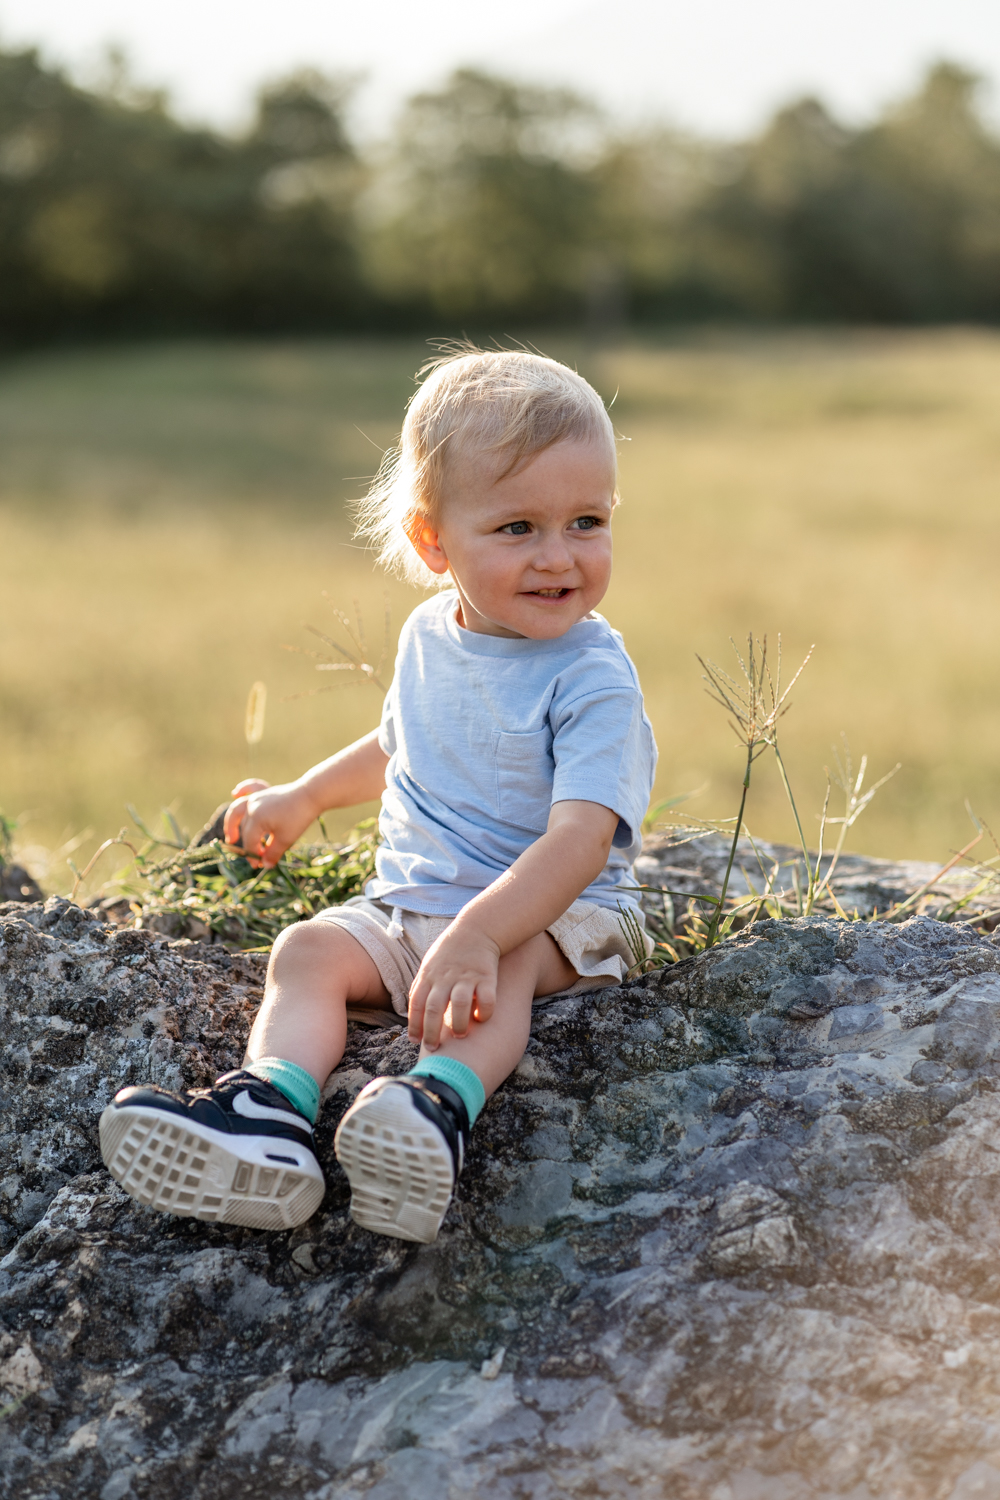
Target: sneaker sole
<point x="399" y="1167"/>
<point x="196" y="1174"/>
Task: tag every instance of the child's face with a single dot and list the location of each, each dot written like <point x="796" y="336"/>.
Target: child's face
<point x="530" y="554"/>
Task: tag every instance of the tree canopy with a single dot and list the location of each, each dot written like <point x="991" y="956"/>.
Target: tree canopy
<point x="493" y="200"/>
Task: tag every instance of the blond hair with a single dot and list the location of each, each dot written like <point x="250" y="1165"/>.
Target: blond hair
<point x="504" y="404"/>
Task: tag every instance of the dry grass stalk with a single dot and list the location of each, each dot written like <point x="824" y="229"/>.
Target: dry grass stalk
<point x="855" y="803"/>
<point x="354" y="660"/>
<point x="81" y="875"/>
<point x="754" y="707"/>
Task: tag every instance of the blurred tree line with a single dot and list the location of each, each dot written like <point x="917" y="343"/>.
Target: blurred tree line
<point x="493" y="201"/>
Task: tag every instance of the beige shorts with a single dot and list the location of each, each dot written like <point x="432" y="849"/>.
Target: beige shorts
<point x="590" y="937"/>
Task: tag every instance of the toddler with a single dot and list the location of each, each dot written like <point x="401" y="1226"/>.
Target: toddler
<point x="514" y="764"/>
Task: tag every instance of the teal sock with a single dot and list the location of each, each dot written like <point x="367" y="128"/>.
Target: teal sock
<point x="299" y="1087"/>
<point x="461" y="1078"/>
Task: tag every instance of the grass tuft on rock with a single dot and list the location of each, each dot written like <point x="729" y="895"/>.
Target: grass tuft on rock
<point x="211" y="891"/>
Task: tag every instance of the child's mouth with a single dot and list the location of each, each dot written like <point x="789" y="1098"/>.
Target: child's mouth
<point x="549" y="593"/>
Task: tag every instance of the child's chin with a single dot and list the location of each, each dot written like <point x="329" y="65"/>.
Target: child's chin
<point x="543" y="624"/>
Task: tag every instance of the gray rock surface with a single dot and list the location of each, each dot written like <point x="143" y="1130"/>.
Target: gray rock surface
<point x="688" y="860"/>
<point x="702" y="1249"/>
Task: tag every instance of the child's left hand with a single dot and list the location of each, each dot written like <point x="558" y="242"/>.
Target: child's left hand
<point x="456" y="982"/>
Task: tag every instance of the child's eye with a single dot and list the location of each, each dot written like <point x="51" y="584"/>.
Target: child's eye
<point x="586" y="523"/>
<point x="516" y="528"/>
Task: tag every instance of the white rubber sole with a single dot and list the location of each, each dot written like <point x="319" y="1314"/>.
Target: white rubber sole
<point x="398" y="1164"/>
<point x="198" y="1174"/>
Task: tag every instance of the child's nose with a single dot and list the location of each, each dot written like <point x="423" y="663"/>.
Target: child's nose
<point x="553" y="555"/>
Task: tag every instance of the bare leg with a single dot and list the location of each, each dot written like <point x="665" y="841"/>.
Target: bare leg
<point x="317" y="969"/>
<point x="180" y="1154"/>
<point x="493" y="1048"/>
<point x="401" y="1149"/>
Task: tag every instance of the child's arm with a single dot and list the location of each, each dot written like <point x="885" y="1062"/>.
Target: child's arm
<point x="266" y="823"/>
<point x="536" y="890"/>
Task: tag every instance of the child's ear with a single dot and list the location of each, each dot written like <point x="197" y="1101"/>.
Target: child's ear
<point x="426" y="543"/>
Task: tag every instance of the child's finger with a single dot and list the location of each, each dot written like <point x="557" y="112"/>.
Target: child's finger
<point x="461" y="1007"/>
<point x="272" y="850"/>
<point x="247" y="787"/>
<point x="258" y="843"/>
<point x="485" y="1001"/>
<point x="233" y="819"/>
<point x="415" y="1011"/>
<point x="434" y="1009"/>
<point x="250" y="835"/>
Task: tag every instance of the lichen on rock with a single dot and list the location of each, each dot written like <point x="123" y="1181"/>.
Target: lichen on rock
<point x="727" y="1232"/>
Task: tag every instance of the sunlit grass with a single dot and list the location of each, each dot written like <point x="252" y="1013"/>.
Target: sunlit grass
<point x="872" y="531"/>
<point x="170" y="517"/>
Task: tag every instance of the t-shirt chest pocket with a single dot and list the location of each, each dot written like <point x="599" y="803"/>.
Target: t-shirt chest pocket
<point x="524" y="770"/>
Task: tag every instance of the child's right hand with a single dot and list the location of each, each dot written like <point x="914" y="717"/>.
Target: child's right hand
<point x="266" y="820"/>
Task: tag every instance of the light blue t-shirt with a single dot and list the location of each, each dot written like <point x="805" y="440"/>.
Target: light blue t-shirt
<point x="483" y="734"/>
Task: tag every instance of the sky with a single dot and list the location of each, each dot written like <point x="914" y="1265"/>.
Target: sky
<point x="715" y="66"/>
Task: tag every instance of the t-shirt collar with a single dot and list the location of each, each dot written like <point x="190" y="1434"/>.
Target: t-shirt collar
<point x="472" y="641"/>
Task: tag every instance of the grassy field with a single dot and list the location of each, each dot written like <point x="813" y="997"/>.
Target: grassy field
<point x="171" y="516"/>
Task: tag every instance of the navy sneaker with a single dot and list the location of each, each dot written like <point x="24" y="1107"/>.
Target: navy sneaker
<point x="237" y="1153"/>
<point x="402" y="1144"/>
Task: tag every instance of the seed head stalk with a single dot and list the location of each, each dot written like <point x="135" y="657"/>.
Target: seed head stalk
<point x="253" y="728"/>
<point x="754" y="705"/>
<point x="805" y="903"/>
<point x="713" y="927"/>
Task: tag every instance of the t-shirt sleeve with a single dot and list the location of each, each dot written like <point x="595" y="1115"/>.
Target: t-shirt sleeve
<point x="604" y="752"/>
<point x="387" y="726"/>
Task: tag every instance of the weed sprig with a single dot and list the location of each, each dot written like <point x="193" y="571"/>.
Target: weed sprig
<point x="754" y="705"/>
<point x="801" y="886"/>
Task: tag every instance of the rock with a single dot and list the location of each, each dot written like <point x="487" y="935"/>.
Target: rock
<point x="213" y="829"/>
<point x="691" y="861"/>
<point x="701" y="1249"/>
<point x="20" y="1373"/>
<point x="88" y="1008"/>
<point x="17" y="885"/>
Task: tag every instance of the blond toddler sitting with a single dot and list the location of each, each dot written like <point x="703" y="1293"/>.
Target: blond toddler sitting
<point x="514" y="764"/>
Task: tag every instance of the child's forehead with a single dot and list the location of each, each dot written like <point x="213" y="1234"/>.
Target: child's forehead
<point x="491" y="473"/>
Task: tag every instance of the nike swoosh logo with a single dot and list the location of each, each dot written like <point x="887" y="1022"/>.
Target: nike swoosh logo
<point x="246" y="1105"/>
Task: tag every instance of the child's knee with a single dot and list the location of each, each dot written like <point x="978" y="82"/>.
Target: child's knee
<point x="307" y="940"/>
<point x="326" y="958"/>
